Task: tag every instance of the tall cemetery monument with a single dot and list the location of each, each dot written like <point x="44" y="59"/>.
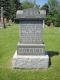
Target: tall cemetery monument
<point x="30" y="51"/>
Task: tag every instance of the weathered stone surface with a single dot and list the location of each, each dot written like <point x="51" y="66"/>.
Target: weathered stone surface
<point x="20" y="61"/>
<point x="30" y="49"/>
<point x="31" y="32"/>
<point x="30" y="13"/>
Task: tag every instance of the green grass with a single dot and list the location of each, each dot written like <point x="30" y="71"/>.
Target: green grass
<point x="8" y="43"/>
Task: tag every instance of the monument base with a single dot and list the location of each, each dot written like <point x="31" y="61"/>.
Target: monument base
<point x="30" y="61"/>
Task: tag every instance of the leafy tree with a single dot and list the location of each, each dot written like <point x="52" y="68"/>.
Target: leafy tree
<point x="57" y="20"/>
<point x="53" y="5"/>
<point x="18" y="4"/>
<point x="0" y="6"/>
<point x="10" y="8"/>
<point x="27" y="4"/>
<point x="14" y="6"/>
<point x="6" y="6"/>
<point x="44" y="7"/>
<point x="58" y="8"/>
<point x="54" y="13"/>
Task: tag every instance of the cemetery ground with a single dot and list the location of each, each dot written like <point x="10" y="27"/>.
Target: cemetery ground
<point x="8" y="43"/>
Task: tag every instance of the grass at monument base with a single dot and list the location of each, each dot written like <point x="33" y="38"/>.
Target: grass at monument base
<point x="9" y="38"/>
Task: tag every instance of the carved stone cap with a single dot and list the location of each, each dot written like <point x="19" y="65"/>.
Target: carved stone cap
<point x="30" y="14"/>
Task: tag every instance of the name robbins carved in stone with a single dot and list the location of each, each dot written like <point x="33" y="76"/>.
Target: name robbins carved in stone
<point x="30" y="49"/>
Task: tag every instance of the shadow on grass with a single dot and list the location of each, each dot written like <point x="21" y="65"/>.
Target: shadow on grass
<point x="51" y="54"/>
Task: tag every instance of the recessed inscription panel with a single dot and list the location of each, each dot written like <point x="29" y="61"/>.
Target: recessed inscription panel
<point x="30" y="50"/>
<point x="31" y="33"/>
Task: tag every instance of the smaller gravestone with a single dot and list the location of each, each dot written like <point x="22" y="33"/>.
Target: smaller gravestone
<point x="5" y="21"/>
<point x="2" y="21"/>
<point x="51" y="25"/>
<point x="10" y="22"/>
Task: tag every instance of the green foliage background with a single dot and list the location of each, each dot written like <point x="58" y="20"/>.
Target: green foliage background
<point x="10" y="7"/>
<point x="53" y="12"/>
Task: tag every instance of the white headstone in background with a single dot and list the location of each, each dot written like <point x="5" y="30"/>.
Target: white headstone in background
<point x="1" y="24"/>
<point x="43" y="12"/>
<point x="1" y="13"/>
<point x="19" y="12"/>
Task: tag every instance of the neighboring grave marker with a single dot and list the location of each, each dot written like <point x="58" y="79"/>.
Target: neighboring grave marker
<point x="2" y="14"/>
<point x="5" y="20"/>
<point x="2" y="23"/>
<point x="10" y="22"/>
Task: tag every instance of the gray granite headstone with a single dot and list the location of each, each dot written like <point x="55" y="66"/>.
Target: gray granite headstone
<point x="30" y="49"/>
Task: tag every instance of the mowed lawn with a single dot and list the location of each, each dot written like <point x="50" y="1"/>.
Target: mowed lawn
<point x="9" y="38"/>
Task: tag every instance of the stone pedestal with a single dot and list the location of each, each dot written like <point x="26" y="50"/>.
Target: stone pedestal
<point x="30" y="49"/>
<point x="30" y="61"/>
